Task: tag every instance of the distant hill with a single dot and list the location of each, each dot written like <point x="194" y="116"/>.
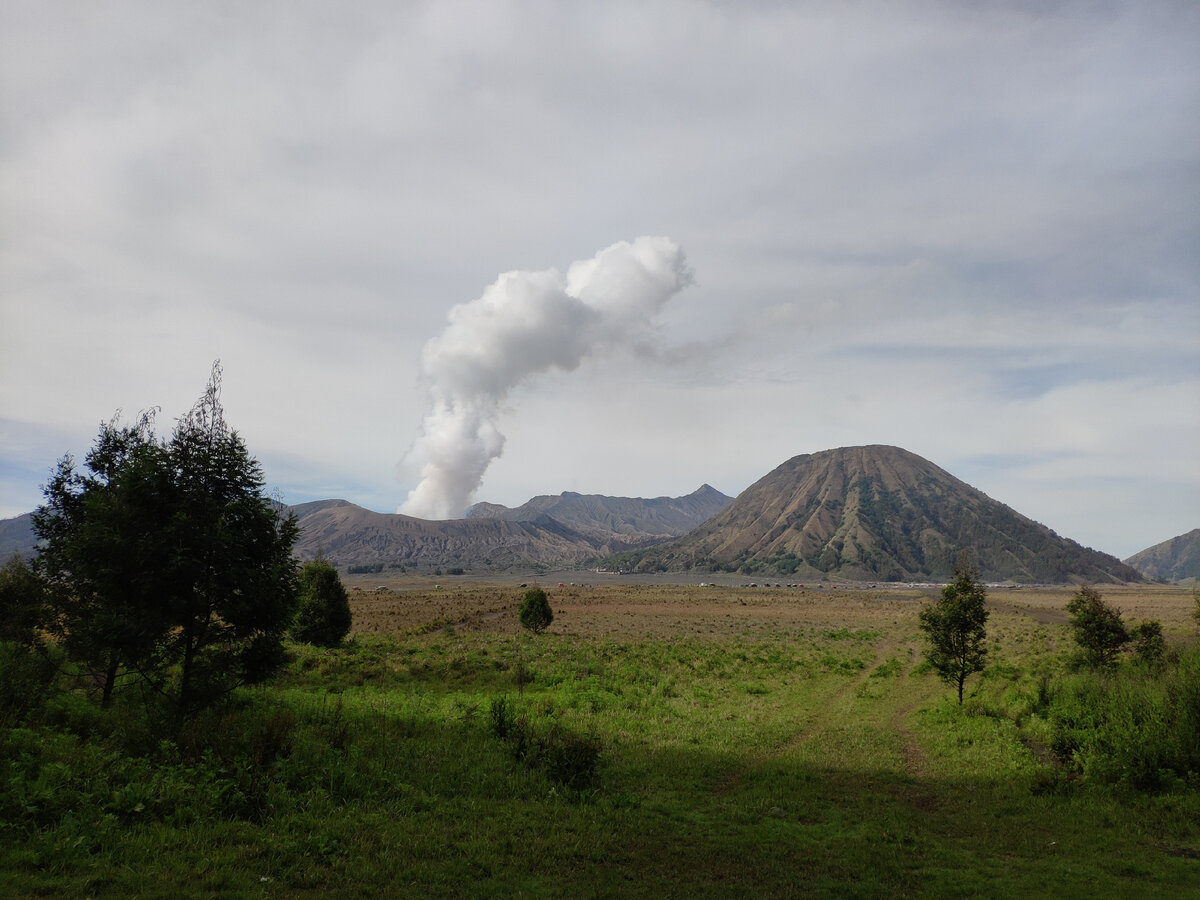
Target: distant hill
<point x="564" y="530"/>
<point x="875" y="513"/>
<point x="16" y="536"/>
<point x="1175" y="560"/>
<point x="350" y="535"/>
<point x="632" y="518"/>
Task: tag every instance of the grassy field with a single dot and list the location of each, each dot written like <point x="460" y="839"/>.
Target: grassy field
<point x="656" y="741"/>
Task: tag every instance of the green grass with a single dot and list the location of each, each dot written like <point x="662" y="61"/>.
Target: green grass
<point x="772" y="761"/>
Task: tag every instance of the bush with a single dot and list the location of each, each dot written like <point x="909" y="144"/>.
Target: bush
<point x="568" y="758"/>
<point x="1137" y="725"/>
<point x="324" y="615"/>
<point x="501" y="718"/>
<point x="1147" y="639"/>
<point x="22" y="602"/>
<point x="27" y="678"/>
<point x="536" y="614"/>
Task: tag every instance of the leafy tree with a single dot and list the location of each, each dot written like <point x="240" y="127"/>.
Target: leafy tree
<point x="955" y="628"/>
<point x="535" y="613"/>
<point x="165" y="560"/>
<point x="324" y="615"/>
<point x="104" y="551"/>
<point x="1099" y="629"/>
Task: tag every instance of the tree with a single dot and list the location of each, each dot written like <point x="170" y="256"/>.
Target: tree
<point x="535" y="613"/>
<point x="105" y="549"/>
<point x="324" y="615"/>
<point x="955" y="628"/>
<point x="166" y="561"/>
<point x="1147" y="640"/>
<point x="1099" y="629"/>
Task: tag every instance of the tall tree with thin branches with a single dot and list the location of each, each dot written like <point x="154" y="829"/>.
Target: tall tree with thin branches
<point x="166" y="562"/>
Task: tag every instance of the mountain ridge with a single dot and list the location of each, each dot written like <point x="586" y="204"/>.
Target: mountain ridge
<point x="634" y="518"/>
<point x="568" y="529"/>
<point x="1175" y="559"/>
<point x="874" y="512"/>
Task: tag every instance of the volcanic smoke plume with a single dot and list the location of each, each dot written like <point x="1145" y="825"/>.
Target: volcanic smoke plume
<point x="524" y="324"/>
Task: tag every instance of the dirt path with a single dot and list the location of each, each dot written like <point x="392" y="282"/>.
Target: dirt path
<point x="816" y="724"/>
<point x="915" y="788"/>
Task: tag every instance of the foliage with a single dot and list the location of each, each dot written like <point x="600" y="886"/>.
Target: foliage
<point x="106" y="550"/>
<point x="535" y="613"/>
<point x="955" y="627"/>
<point x="1138" y="724"/>
<point x="27" y="677"/>
<point x="22" y="602"/>
<point x="1147" y="640"/>
<point x="324" y="614"/>
<point x="1099" y="629"/>
<point x="570" y="759"/>
<point x="166" y="562"/>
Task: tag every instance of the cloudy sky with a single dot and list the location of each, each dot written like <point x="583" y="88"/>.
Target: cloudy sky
<point x="968" y="229"/>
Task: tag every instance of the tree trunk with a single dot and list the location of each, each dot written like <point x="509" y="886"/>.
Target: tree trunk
<point x="110" y="680"/>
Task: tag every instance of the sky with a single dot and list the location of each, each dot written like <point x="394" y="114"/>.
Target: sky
<point x="971" y="230"/>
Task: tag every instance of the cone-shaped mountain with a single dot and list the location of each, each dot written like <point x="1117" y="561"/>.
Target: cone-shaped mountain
<point x="875" y="513"/>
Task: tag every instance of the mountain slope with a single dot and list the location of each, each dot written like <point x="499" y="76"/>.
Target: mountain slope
<point x="876" y="513"/>
<point x="565" y="530"/>
<point x="350" y="535"/>
<point x="634" y="518"/>
<point x="16" y="536"/>
<point x="1175" y="560"/>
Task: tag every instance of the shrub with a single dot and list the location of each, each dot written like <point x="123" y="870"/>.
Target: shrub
<point x="535" y="613"/>
<point x="22" y="602"/>
<point x="324" y="615"/>
<point x="1136" y="725"/>
<point x="570" y="759"/>
<point x="501" y="718"/>
<point x="1147" y="639"/>
<point x="27" y="678"/>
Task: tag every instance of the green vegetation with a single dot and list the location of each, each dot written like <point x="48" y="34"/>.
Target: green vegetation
<point x="1099" y="628"/>
<point x="22" y="603"/>
<point x="535" y="613"/>
<point x="165" y="565"/>
<point x="955" y="627"/>
<point x="324" y="614"/>
<point x="674" y="742"/>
